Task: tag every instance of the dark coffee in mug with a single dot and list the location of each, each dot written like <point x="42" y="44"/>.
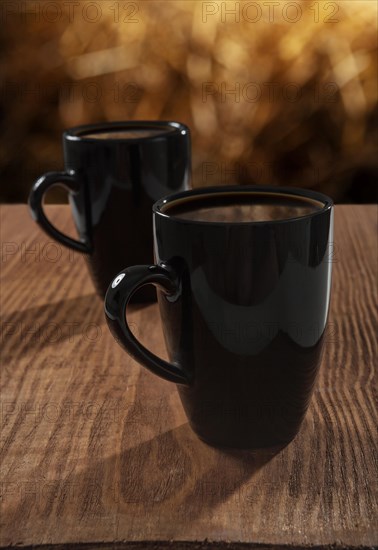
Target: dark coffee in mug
<point x="243" y="278"/>
<point x="242" y="208"/>
<point x="132" y="133"/>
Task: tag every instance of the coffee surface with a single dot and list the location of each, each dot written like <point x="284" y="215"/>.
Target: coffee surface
<point x="132" y="133"/>
<point x="236" y="208"/>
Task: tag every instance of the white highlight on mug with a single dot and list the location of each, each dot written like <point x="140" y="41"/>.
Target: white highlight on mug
<point x="118" y="279"/>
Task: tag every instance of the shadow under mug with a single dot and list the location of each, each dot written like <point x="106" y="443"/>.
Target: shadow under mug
<point x="114" y="173"/>
<point x="244" y="307"/>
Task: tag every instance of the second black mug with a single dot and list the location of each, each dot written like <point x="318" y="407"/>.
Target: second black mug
<point x="114" y="173"/>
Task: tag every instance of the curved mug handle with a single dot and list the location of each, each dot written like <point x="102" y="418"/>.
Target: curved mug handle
<point x="36" y="207"/>
<point x="117" y="297"/>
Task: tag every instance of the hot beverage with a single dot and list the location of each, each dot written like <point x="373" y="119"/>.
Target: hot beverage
<point x="242" y="207"/>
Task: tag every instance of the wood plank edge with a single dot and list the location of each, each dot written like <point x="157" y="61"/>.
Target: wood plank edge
<point x="184" y="545"/>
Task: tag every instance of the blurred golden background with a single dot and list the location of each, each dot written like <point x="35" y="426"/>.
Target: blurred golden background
<point x="275" y="92"/>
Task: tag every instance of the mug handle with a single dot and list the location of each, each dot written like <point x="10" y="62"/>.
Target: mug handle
<point x="36" y="207"/>
<point x="118" y="296"/>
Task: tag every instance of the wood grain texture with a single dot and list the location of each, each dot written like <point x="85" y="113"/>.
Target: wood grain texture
<point x="96" y="450"/>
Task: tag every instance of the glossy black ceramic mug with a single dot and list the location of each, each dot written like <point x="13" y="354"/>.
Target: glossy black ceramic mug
<point x="243" y="277"/>
<point x="114" y="173"/>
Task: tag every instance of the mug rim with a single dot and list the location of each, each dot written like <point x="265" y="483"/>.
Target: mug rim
<point x="257" y="189"/>
<point x="77" y="133"/>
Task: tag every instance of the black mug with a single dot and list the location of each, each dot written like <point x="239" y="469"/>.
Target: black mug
<point x="243" y="277"/>
<point x="114" y="173"/>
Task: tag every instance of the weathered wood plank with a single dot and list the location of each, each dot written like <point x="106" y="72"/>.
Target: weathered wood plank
<point x="95" y="449"/>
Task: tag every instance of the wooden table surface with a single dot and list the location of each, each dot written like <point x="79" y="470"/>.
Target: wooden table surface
<point x="97" y="450"/>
